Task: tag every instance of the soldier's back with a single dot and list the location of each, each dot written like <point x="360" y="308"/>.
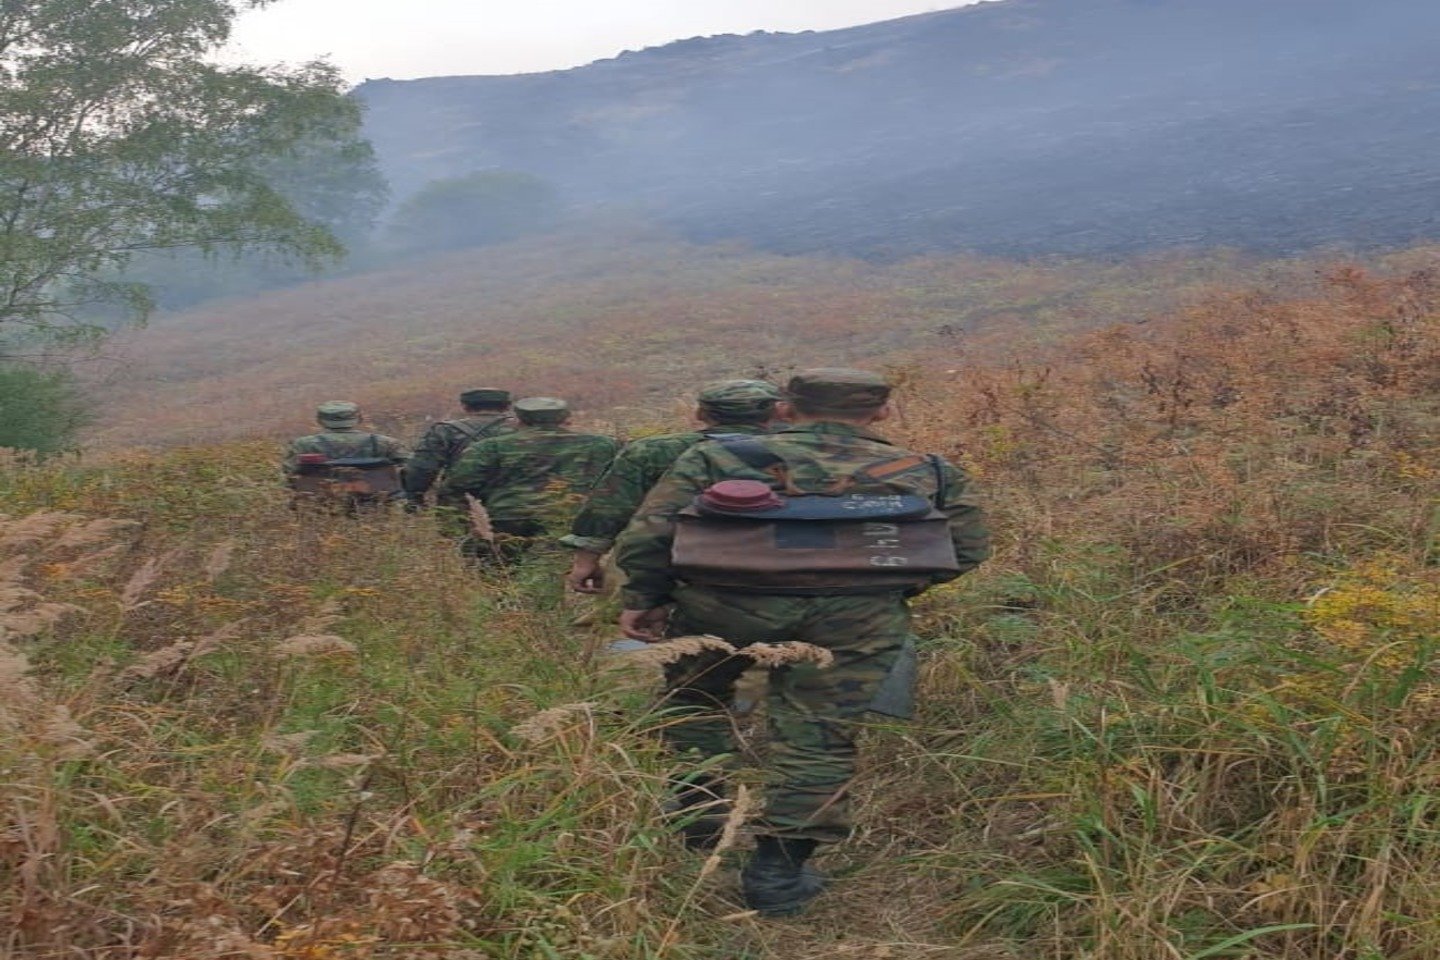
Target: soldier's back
<point x="342" y="444"/>
<point x="535" y="472"/>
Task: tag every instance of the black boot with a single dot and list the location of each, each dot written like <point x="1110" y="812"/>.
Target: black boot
<point x="776" y="882"/>
<point x="699" y="810"/>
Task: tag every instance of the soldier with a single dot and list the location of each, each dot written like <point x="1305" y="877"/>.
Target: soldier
<point x="530" y="481"/>
<point x="487" y="414"/>
<point x="726" y="407"/>
<point x="756" y="592"/>
<point x="344" y="464"/>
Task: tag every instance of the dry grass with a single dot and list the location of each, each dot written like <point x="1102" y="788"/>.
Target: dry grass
<point x="1188" y="712"/>
<point x="618" y="325"/>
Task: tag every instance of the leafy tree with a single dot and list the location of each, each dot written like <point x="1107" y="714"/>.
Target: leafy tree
<point x="118" y="136"/>
<point x="492" y="206"/>
<point x="40" y="410"/>
<point x="337" y="186"/>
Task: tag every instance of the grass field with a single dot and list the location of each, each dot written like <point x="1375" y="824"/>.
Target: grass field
<point x="619" y="324"/>
<point x="1188" y="712"/>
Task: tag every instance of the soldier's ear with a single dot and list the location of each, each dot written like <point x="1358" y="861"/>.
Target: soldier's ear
<point x="884" y="413"/>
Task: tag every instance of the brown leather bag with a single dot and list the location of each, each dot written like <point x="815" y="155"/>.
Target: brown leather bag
<point x="745" y="535"/>
<point x="353" y="477"/>
<point x="321" y="475"/>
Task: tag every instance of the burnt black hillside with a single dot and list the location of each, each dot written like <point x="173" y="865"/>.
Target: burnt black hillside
<point x="1013" y="127"/>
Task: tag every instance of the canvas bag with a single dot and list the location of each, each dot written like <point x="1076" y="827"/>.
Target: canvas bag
<point x="350" y="477"/>
<point x="861" y="542"/>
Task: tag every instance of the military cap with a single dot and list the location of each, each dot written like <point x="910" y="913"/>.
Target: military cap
<point x="485" y="395"/>
<point x="541" y="410"/>
<point x="838" y="390"/>
<point x="738" y="398"/>
<point x="338" y="413"/>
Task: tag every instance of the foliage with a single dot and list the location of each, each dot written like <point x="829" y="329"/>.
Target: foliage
<point x="334" y="184"/>
<point x="475" y="210"/>
<point x="40" y="410"/>
<point x="118" y="136"/>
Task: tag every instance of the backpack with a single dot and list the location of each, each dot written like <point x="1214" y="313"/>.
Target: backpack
<point x="469" y="436"/>
<point x="351" y="478"/>
<point x="743" y="534"/>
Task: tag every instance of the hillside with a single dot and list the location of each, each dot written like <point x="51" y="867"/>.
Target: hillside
<point x="1009" y="127"/>
<point x="621" y="325"/>
<point x="1188" y="711"/>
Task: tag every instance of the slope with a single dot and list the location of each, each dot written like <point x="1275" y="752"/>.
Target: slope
<point x="1011" y="127"/>
<point x="619" y="324"/>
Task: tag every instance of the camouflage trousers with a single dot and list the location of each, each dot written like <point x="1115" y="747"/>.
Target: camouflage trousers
<point x="813" y="712"/>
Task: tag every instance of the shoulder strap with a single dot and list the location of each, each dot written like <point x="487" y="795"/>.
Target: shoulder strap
<point x="472" y="437"/>
<point x="375" y="445"/>
<point x="749" y="450"/>
<point x="938" y="466"/>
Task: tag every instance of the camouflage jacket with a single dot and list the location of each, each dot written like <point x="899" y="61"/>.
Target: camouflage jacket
<point x="817" y="455"/>
<point x="445" y="442"/>
<point x="535" y="473"/>
<point x="618" y="494"/>
<point x="342" y="442"/>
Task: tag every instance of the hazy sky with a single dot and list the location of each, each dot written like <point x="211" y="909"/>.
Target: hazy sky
<point x="423" y="38"/>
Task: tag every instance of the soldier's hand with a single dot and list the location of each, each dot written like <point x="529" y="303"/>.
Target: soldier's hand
<point x="586" y="575"/>
<point x="645" y="625"/>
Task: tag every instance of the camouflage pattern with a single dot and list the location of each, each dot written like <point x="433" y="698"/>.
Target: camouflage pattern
<point x="620" y="491"/>
<point x="445" y="442"/>
<point x="838" y="390"/>
<point x="817" y="456"/>
<point x="733" y="401"/>
<point x="338" y="413"/>
<point x="812" y="712"/>
<point x="538" y="410"/>
<point x="533" y="478"/>
<point x="730" y="406"/>
<point x="341" y="442"/>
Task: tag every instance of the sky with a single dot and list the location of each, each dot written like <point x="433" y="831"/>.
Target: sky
<point x="427" y="38"/>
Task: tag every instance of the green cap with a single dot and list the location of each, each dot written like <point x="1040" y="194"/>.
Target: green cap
<point x="485" y="395"/>
<point x="338" y="413"/>
<point x="738" y="399"/>
<point x="838" y="390"/>
<point x="541" y="410"/>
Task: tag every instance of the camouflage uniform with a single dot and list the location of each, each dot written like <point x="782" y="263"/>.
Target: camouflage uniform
<point x="342" y="438"/>
<point x="732" y="406"/>
<point x="530" y="480"/>
<point x="446" y="441"/>
<point x="811" y="710"/>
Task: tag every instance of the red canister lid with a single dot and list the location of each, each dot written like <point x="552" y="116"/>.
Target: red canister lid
<point x="741" y="496"/>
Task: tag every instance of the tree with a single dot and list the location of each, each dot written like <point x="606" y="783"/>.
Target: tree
<point x="118" y="136"/>
<point x="492" y="206"/>
<point x="40" y="409"/>
<point x="330" y="185"/>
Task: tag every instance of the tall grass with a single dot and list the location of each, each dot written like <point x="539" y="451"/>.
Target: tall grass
<point x="1188" y="712"/>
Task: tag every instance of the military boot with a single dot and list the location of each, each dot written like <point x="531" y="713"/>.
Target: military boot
<point x="699" y="810"/>
<point x="776" y="882"/>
